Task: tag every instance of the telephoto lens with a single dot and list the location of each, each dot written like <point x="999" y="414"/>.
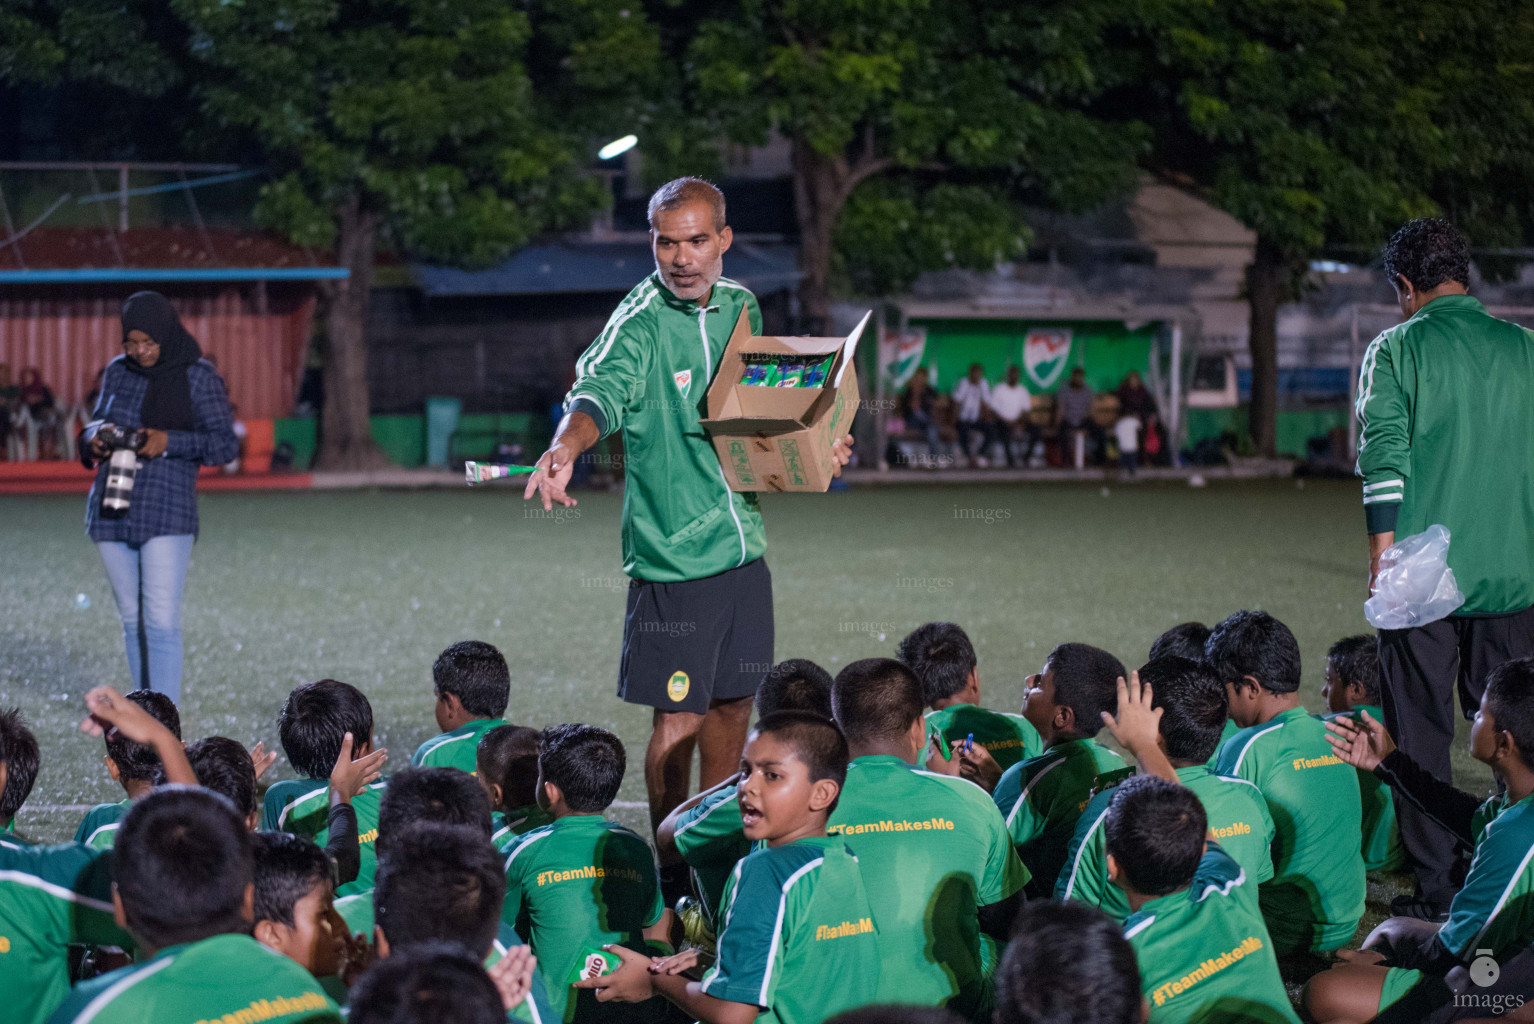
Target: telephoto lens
<point x="117" y="495"/>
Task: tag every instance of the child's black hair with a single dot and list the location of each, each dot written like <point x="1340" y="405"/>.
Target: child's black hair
<point x="287" y="868"/>
<point x="1193" y="705"/>
<point x="1427" y="252"/>
<point x="1155" y="830"/>
<point x="431" y="795"/>
<point x="23" y="758"/>
<point x="223" y="765"/>
<point x="428" y="983"/>
<point x="314" y="721"/>
<point x="941" y="656"/>
<point x="138" y="762"/>
<point x="1258" y="645"/>
<point x="585" y="762"/>
<point x="507" y="756"/>
<point x="182" y="862"/>
<point x="1510" y="699"/>
<point x="1356" y="659"/>
<point x="476" y="673"/>
<point x="440" y="882"/>
<point x="876" y="699"/>
<point x="1184" y="640"/>
<point x="797" y="684"/>
<point x="1087" y="682"/>
<point x="1067" y="963"/>
<point x="893" y="1014"/>
<point x="816" y="742"/>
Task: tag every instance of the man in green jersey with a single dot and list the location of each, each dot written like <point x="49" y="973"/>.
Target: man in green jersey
<point x="944" y="660"/>
<point x="1353" y="686"/>
<point x="583" y="881"/>
<point x="506" y="762"/>
<point x="1043" y="797"/>
<point x="183" y="888"/>
<point x="698" y="629"/>
<point x="1193" y="707"/>
<point x="472" y="686"/>
<point x="1444" y="425"/>
<point x="1316" y="896"/>
<point x="132" y="766"/>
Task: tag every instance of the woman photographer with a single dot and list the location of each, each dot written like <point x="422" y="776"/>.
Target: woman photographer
<point x="165" y="402"/>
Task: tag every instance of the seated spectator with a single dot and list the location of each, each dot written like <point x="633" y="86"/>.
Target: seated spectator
<point x="133" y="766"/>
<point x="1010" y="402"/>
<point x="428" y="983"/>
<point x="1073" y="419"/>
<point x="10" y="400"/>
<point x="507" y="760"/>
<point x="915" y="409"/>
<point x="1134" y="399"/>
<point x="38" y="401"/>
<point x="971" y="400"/>
<point x="1126" y="431"/>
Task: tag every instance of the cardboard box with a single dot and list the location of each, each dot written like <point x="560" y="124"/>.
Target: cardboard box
<point x="779" y="439"/>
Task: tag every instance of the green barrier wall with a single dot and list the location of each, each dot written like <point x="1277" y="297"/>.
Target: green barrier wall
<point x="403" y="438"/>
<point x="1295" y="426"/>
<point x="1107" y="350"/>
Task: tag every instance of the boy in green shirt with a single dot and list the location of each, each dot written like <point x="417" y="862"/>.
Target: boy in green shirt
<point x="1193" y="707"/>
<point x="1187" y="640"/>
<point x="183" y="889"/>
<point x="23" y="761"/>
<point x="944" y="660"/>
<point x="132" y="766"/>
<point x="1316" y="896"/>
<point x="1353" y="685"/>
<point x="506" y="761"/>
<point x="583" y="881"/>
<point x="294" y="911"/>
<point x="1043" y="797"/>
<point x="1068" y="962"/>
<point x="472" y="686"/>
<point x="799" y="942"/>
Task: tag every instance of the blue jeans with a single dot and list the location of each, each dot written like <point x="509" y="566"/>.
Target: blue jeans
<point x="147" y="580"/>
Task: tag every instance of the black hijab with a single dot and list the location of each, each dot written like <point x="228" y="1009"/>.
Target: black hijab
<point x="168" y="401"/>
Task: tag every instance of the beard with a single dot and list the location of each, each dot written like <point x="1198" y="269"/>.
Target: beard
<point x="695" y="287"/>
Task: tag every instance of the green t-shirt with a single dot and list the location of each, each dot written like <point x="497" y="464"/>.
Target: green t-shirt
<point x="1495" y="909"/>
<point x="231" y="976"/>
<point x="583" y="881"/>
<point x="710" y="838"/>
<point x="1316" y="896"/>
<point x="1238" y="817"/>
<point x="506" y="826"/>
<point x="799" y="938"/>
<point x="1230" y="729"/>
<point x="1382" y="847"/>
<point x="302" y="807"/>
<point x="1204" y="954"/>
<point x="50" y="896"/>
<point x="457" y="749"/>
<point x="934" y="851"/>
<point x="1007" y="737"/>
<point x="1043" y="797"/>
<point x="98" y="829"/>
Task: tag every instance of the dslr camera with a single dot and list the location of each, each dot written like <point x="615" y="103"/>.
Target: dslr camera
<point x="115" y="438"/>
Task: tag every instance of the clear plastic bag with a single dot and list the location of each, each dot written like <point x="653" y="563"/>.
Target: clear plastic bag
<point x="1415" y="584"/>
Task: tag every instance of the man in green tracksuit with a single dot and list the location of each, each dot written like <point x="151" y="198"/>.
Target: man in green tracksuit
<point x="698" y="631"/>
<point x="1446" y="423"/>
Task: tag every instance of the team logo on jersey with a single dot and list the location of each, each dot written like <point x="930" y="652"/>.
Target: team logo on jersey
<point x="683" y="380"/>
<point x="1045" y="353"/>
<point x="677" y="686"/>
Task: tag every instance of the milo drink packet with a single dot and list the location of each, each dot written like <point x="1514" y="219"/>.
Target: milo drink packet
<point x="593" y="964"/>
<point x="815" y="373"/>
<point x="791" y="374"/>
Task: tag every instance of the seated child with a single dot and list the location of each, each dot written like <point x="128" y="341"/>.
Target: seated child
<point x="582" y="881"/>
<point x="1353" y="685"/>
<point x="1493" y="915"/>
<point x="224" y="766"/>
<point x="132" y="766"/>
<point x="1316" y="896"/>
<point x="1193" y="708"/>
<point x="944" y="660"/>
<point x="473" y="686"/>
<point x="293" y="905"/>
<point x="428" y="983"/>
<point x="799" y="942"/>
<point x="23" y="760"/>
<point x="184" y="889"/>
<point x="506" y="763"/>
<point x="1042" y="798"/>
<point x="324" y="726"/>
<point x="1067" y="964"/>
<point x="1187" y="640"/>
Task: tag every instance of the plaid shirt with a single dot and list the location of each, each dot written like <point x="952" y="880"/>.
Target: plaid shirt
<point x="165" y="489"/>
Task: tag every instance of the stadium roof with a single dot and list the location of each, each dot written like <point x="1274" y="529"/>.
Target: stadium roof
<point x="67" y="255"/>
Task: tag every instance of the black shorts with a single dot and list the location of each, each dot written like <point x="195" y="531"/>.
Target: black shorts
<point x="686" y="644"/>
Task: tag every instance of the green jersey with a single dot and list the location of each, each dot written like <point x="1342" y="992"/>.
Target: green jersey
<point x="506" y="826"/>
<point x="799" y="938"/>
<point x="457" y="749"/>
<point x="1495" y="909"/>
<point x="646" y="375"/>
<point x="1238" y="819"/>
<point x="1439" y="397"/>
<point x="98" y="829"/>
<point x="1204" y="954"/>
<point x="302" y="807"/>
<point x="934" y="851"/>
<point x="1043" y="797"/>
<point x="230" y="977"/>
<point x="1382" y="847"/>
<point x="1006" y="737"/>
<point x="1230" y="729"/>
<point x="710" y="838"/>
<point x="1316" y="896"/>
<point x="582" y="881"/>
<point x="50" y="896"/>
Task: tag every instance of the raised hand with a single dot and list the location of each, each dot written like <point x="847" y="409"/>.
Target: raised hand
<point x="349" y="777"/>
<point x="1361" y="742"/>
<point x="513" y="976"/>
<point x="260" y="760"/>
<point x="1137" y="727"/>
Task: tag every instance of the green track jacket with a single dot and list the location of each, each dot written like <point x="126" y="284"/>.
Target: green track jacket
<point x="1446" y="417"/>
<point x="647" y="374"/>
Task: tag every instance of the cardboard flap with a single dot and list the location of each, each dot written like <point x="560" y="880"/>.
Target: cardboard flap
<point x="852" y="347"/>
<point x="746" y="426"/>
<point x="771" y="403"/>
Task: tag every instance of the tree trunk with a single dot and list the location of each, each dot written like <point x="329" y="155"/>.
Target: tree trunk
<point x="347" y="443"/>
<point x="818" y="200"/>
<point x="1265" y="283"/>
